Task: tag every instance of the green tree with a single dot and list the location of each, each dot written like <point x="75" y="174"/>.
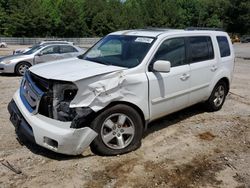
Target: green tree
<point x="2" y="19"/>
<point x="71" y="19"/>
<point x="87" y="18"/>
<point x="238" y="16"/>
<point x="132" y="15"/>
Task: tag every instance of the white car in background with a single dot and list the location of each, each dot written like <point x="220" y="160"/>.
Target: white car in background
<point x="3" y="45"/>
<point x="106" y="97"/>
<point x="19" y="51"/>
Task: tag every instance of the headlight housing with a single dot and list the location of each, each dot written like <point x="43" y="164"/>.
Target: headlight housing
<point x="63" y="94"/>
<point x="7" y="62"/>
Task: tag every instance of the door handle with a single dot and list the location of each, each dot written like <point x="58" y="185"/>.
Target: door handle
<point x="214" y="68"/>
<point x="184" y="77"/>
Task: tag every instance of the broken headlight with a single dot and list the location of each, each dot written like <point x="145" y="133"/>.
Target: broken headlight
<point x="56" y="104"/>
<point x="63" y="94"/>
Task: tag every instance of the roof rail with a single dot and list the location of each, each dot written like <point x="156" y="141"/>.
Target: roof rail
<point x="155" y="28"/>
<point x="204" y="29"/>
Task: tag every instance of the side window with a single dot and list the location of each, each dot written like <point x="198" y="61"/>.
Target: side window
<point x="172" y="50"/>
<point x="50" y="50"/>
<point x="200" y="49"/>
<point x="67" y="49"/>
<point x="224" y="46"/>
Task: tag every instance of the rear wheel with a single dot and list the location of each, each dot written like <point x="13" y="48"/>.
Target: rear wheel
<point x="217" y="98"/>
<point x="119" y="131"/>
<point x="21" y="68"/>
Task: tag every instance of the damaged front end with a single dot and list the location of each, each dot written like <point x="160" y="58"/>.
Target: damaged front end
<point x="41" y="110"/>
<point x="55" y="102"/>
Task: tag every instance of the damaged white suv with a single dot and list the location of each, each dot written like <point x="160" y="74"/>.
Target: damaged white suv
<point x="106" y="97"/>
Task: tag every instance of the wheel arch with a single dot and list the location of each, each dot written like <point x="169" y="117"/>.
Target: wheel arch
<point x="220" y="77"/>
<point x="135" y="107"/>
<point x="20" y="63"/>
<point x="226" y="81"/>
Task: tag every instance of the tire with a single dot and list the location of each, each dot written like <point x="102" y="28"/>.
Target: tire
<point x="217" y="97"/>
<point x="21" y="68"/>
<point x="119" y="129"/>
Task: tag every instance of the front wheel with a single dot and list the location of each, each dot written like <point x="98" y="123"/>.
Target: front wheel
<point x="119" y="131"/>
<point x="217" y="98"/>
<point x="21" y="68"/>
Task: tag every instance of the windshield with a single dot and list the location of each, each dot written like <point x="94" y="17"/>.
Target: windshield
<point x="33" y="50"/>
<point x="119" y="50"/>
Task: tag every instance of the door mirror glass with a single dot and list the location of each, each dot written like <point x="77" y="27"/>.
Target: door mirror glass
<point x="161" y="66"/>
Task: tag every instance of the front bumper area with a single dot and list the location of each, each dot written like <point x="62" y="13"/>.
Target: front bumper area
<point x="49" y="133"/>
<point x="7" y="68"/>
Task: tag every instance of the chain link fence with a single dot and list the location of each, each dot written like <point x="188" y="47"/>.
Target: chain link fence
<point x="84" y="42"/>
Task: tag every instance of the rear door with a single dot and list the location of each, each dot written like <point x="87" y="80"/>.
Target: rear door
<point x="203" y="67"/>
<point x="168" y="92"/>
<point x="67" y="51"/>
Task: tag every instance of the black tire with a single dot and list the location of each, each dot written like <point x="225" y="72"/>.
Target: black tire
<point x="117" y="113"/>
<point x="217" y="97"/>
<point x="21" y="68"/>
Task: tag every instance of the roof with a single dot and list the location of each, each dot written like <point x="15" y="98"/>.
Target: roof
<point x="152" y="32"/>
<point x="155" y="32"/>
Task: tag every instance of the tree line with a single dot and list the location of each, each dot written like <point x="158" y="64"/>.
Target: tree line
<point x="88" y="18"/>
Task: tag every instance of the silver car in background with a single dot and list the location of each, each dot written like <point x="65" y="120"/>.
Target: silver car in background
<point x="45" y="42"/>
<point x="18" y="64"/>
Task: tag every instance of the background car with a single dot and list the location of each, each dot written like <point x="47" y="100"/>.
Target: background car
<point x="19" y="63"/>
<point x="234" y="38"/>
<point x="19" y="51"/>
<point x="245" y="39"/>
<point x="3" y="45"/>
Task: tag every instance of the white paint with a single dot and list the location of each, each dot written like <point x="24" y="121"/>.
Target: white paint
<point x="155" y="93"/>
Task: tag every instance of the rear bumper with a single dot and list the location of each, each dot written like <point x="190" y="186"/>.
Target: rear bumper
<point x="49" y="133"/>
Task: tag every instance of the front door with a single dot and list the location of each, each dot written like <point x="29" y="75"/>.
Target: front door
<point x="169" y="92"/>
<point x="50" y="53"/>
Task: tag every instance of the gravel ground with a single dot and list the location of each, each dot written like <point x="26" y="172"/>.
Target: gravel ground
<point x="191" y="148"/>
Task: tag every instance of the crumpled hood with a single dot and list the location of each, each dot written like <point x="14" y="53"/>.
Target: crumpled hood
<point x="72" y="69"/>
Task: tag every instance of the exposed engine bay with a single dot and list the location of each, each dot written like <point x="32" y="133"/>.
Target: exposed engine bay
<point x="55" y="102"/>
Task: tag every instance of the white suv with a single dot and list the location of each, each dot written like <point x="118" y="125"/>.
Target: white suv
<point x="107" y="96"/>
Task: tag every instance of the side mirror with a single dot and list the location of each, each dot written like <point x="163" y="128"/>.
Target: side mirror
<point x="161" y="66"/>
<point x="39" y="54"/>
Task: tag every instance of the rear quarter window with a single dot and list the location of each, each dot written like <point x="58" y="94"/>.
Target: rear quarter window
<point x="224" y="46"/>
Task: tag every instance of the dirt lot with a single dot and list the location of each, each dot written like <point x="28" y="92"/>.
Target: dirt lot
<point x="191" y="148"/>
